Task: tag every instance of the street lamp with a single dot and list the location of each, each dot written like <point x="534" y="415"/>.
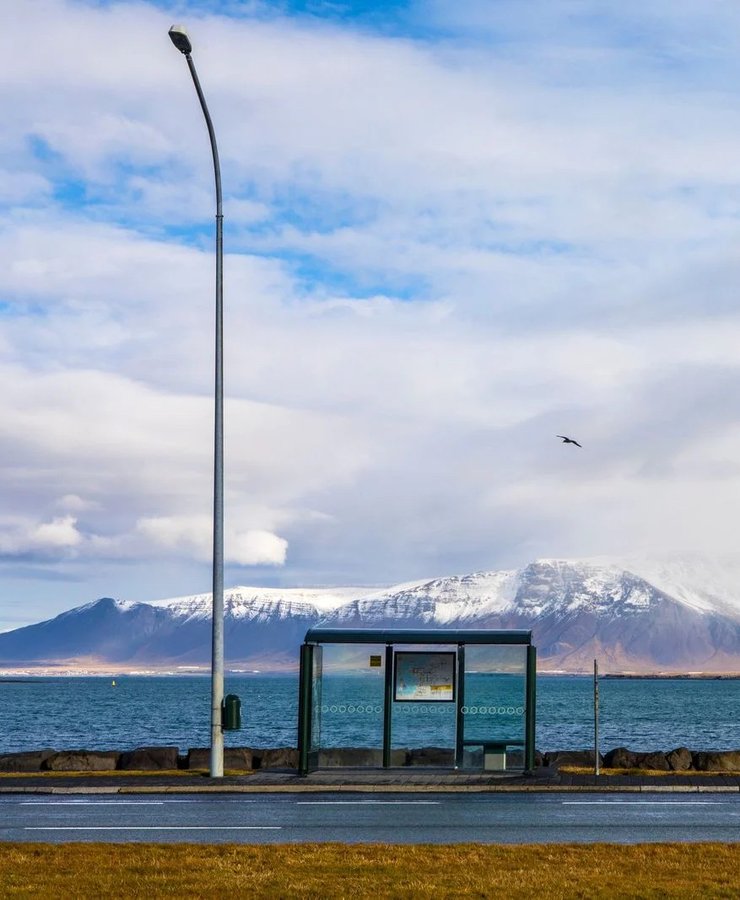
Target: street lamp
<point x="180" y="39"/>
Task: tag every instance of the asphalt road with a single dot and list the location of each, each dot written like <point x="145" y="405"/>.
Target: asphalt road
<point x="393" y="818"/>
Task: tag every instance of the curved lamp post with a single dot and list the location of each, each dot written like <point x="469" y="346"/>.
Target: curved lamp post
<point x="181" y="40"/>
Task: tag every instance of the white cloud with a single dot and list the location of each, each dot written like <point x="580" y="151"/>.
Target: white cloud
<point x="60" y="532"/>
<point x="257" y="548"/>
<point x="191" y="534"/>
<point x="195" y="535"/>
<point x="56" y="537"/>
<point x="74" y="503"/>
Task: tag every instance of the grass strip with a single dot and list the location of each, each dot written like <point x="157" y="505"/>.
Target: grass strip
<point x="122" y="773"/>
<point x="356" y="871"/>
<point x="589" y="770"/>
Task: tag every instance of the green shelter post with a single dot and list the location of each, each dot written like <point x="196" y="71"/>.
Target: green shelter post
<point x="305" y="706"/>
<point x="460" y="729"/>
<point x="530" y="708"/>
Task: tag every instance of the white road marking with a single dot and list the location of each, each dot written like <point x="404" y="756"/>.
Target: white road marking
<point x="367" y="802"/>
<point x="114" y="802"/>
<point x="92" y="803"/>
<point x="152" y="828"/>
<point x="643" y="802"/>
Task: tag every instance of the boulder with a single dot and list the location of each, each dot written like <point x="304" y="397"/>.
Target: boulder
<point x="29" y="761"/>
<point x="431" y="756"/>
<point x="278" y="758"/>
<point x="515" y="759"/>
<point x="717" y="760"/>
<point x="149" y="758"/>
<point x="571" y="758"/>
<point x="623" y="758"/>
<point x="239" y="758"/>
<point x="680" y="759"/>
<point x="82" y="761"/>
<point x="358" y="756"/>
<point x="652" y="761"/>
<point x="620" y="758"/>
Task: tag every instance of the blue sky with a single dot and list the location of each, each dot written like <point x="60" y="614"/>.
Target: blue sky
<point x="452" y="232"/>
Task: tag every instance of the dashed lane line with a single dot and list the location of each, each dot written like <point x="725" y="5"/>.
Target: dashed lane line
<point x="643" y="802"/>
<point x="367" y="802"/>
<point x="152" y="828"/>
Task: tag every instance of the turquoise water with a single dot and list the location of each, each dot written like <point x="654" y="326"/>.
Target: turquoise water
<point x="643" y="714"/>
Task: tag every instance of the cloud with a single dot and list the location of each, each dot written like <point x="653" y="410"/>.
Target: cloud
<point x="446" y="241"/>
<point x="59" y="537"/>
<point x="61" y="532"/>
<point x="195" y="535"/>
<point x="258" y="548"/>
<point x="73" y="503"/>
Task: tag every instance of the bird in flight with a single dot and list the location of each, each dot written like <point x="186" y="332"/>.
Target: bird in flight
<point x="567" y="440"/>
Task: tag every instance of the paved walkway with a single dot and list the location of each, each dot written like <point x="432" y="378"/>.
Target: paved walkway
<point x="364" y="780"/>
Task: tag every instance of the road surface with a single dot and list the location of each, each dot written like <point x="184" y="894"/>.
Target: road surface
<point x="393" y="818"/>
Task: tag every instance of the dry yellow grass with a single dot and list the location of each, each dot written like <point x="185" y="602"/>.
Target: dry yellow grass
<point x="589" y="770"/>
<point x="332" y="871"/>
<point x="123" y="773"/>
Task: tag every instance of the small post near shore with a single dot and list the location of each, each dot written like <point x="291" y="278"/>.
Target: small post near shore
<point x="596" y="717"/>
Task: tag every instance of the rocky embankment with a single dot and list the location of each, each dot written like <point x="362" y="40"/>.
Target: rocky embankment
<point x="145" y="759"/>
<point x="246" y="759"/>
<point x="679" y="760"/>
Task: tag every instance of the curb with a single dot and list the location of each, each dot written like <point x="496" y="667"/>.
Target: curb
<point x="374" y="788"/>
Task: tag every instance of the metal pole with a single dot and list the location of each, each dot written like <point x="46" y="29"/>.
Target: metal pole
<point x="217" y="645"/>
<point x="596" y="718"/>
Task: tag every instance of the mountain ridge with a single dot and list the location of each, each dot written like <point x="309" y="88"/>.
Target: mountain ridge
<point x="577" y="610"/>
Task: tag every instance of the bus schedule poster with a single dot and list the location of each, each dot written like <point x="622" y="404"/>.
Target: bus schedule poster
<point x="424" y="676"/>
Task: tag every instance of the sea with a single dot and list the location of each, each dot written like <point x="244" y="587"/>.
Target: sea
<point x="132" y="711"/>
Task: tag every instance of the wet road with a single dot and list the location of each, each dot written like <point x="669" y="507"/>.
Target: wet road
<point x="392" y="818"/>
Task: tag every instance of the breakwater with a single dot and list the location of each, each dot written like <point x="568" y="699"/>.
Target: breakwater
<point x="245" y="759"/>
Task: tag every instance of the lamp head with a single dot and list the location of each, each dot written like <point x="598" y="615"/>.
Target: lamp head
<point x="180" y="39"/>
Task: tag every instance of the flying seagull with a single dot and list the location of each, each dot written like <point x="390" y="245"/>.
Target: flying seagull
<point x="567" y="440"/>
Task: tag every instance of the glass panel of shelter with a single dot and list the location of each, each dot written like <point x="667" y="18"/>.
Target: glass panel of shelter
<point x="423" y="731"/>
<point x="349" y="711"/>
<point x="494" y="709"/>
<point x="317" y="681"/>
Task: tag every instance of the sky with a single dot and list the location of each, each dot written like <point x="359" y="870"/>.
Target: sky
<point x="452" y="232"/>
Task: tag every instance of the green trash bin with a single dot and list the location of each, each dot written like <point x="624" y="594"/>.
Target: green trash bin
<point x="231" y="713"/>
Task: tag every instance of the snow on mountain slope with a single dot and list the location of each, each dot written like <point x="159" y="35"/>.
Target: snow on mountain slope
<point x="701" y="583"/>
<point x="543" y="588"/>
<point x="253" y="602"/>
<point x="535" y="590"/>
<point x="570" y="586"/>
<point x="438" y="601"/>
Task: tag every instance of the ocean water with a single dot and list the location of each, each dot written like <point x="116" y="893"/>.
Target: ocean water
<point x="643" y="714"/>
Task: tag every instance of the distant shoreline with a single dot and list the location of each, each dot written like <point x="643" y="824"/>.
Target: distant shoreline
<point x="693" y="676"/>
<point x="9" y="676"/>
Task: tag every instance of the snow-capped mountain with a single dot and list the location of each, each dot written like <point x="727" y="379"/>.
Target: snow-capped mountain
<point x="262" y="603"/>
<point x="635" y="616"/>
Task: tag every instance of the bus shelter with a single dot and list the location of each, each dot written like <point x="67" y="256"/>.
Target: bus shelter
<point x="456" y="698"/>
